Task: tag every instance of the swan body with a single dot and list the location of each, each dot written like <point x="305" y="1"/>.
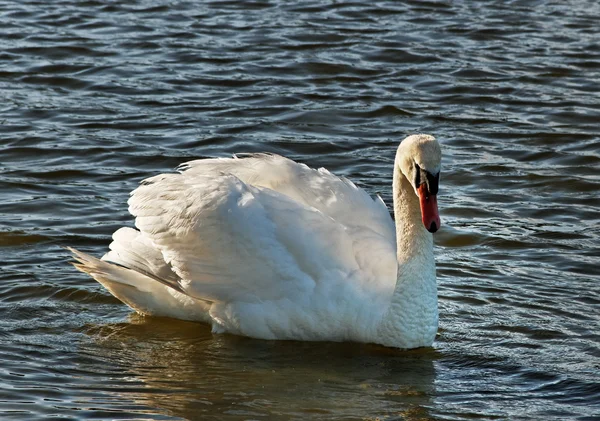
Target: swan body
<point x="265" y="247"/>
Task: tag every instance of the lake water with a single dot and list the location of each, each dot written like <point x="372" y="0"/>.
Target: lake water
<point x="97" y="95"/>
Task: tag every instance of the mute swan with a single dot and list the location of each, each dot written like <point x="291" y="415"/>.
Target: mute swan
<point x="265" y="247"/>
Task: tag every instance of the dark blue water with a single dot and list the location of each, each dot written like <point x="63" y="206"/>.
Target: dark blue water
<point x="96" y="96"/>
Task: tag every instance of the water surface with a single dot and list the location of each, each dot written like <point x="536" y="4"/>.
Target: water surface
<point x="96" y="96"/>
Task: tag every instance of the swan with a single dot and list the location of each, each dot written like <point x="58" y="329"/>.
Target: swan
<point x="261" y="246"/>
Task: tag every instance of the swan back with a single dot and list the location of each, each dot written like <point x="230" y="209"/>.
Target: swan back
<point x="334" y="196"/>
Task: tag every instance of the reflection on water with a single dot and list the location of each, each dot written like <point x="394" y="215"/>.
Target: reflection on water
<point x="191" y="374"/>
<point x="95" y="96"/>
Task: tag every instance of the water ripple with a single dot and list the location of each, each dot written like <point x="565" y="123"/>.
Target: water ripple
<point x="96" y="96"/>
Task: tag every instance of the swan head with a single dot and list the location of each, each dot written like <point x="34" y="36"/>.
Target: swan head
<point x="419" y="158"/>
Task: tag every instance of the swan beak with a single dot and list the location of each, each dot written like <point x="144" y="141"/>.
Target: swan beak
<point x="429" y="209"/>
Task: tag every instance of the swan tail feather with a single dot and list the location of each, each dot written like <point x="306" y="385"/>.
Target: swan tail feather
<point x="139" y="291"/>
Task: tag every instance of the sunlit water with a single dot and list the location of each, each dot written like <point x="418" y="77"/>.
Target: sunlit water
<point x="97" y="95"/>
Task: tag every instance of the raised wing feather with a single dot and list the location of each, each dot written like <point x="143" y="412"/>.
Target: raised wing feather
<point x="228" y="241"/>
<point x="264" y="228"/>
<point x="367" y="221"/>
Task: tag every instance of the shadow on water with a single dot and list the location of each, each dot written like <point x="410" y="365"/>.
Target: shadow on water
<point x="188" y="372"/>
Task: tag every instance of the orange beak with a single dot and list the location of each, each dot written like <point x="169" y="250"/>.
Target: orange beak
<point x="429" y="209"/>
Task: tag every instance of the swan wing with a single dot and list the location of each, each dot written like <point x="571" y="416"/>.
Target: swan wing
<point x="366" y="220"/>
<point x="133" y="250"/>
<point x="230" y="241"/>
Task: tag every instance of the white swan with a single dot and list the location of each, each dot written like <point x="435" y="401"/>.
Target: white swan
<point x="265" y="247"/>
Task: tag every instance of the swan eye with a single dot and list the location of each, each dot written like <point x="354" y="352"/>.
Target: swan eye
<point x="417" y="175"/>
<point x="425" y="177"/>
<point x="433" y="182"/>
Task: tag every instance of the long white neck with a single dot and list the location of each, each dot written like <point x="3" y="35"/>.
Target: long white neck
<point x="412" y="318"/>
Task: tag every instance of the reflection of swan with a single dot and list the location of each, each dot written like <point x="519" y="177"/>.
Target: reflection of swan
<point x="268" y="248"/>
<point x="180" y="369"/>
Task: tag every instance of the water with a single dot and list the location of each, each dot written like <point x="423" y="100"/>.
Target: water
<point x="97" y="95"/>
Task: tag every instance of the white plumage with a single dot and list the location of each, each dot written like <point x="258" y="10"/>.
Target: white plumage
<point x="265" y="247"/>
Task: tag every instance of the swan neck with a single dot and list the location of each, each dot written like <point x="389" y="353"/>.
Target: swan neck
<point x="412" y="318"/>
